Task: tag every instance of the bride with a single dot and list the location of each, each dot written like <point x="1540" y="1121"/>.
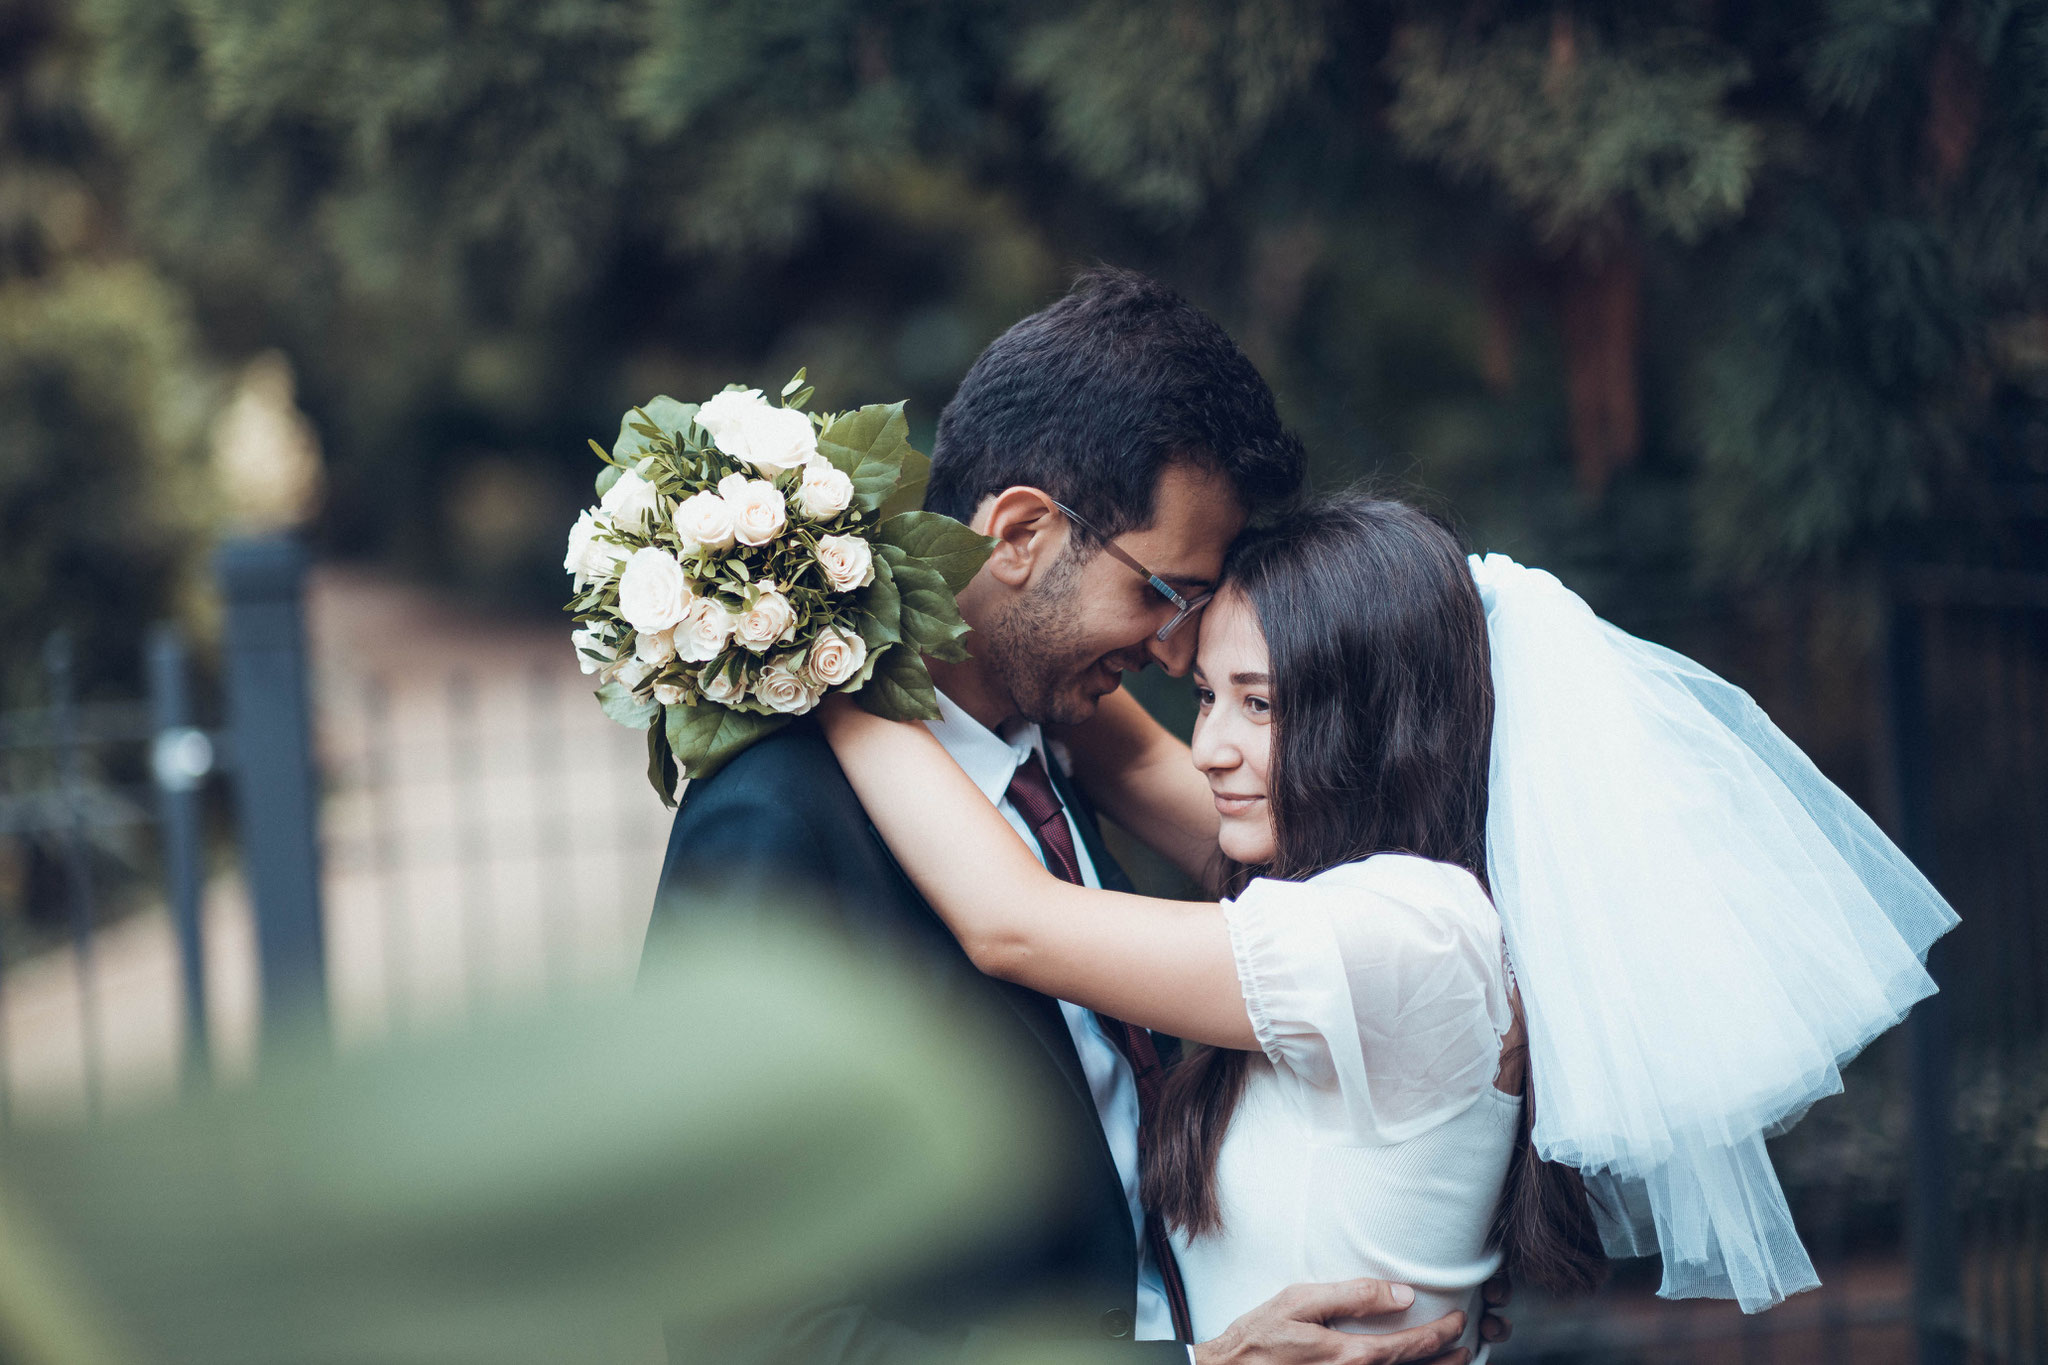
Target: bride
<point x="1529" y="932"/>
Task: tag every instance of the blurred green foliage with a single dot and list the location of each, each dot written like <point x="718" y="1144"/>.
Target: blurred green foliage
<point x="767" y="1117"/>
<point x="1670" y="295"/>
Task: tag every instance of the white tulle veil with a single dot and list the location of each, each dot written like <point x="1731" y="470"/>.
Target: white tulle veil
<point x="1703" y="928"/>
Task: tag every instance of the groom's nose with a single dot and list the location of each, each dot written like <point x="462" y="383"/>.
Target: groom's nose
<point x="1176" y="653"/>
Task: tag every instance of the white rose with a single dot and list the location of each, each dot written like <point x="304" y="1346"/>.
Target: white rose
<point x="632" y="502"/>
<point x="654" y="647"/>
<point x="826" y="490"/>
<point x="835" y="657"/>
<point x="716" y="687"/>
<point x="781" y="690"/>
<point x="632" y="673"/>
<point x="668" y="694"/>
<point x="720" y="414"/>
<point x="704" y="521"/>
<point x="592" y="639"/>
<point x="705" y="631"/>
<point x="732" y="485"/>
<point x="592" y="560"/>
<point x="770" y="621"/>
<point x="749" y="428"/>
<point x="653" y="594"/>
<point x="848" y="562"/>
<point x="758" y="513"/>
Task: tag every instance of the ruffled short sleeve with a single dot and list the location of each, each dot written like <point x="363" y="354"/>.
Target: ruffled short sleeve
<point x="1379" y="988"/>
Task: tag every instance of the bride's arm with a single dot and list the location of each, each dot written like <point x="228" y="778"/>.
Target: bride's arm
<point x="1140" y="775"/>
<point x="1157" y="963"/>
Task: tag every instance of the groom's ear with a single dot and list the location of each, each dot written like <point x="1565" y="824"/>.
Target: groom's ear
<point x="1028" y="530"/>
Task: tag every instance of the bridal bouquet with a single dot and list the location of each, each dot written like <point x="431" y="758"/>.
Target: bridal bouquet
<point x="745" y="558"/>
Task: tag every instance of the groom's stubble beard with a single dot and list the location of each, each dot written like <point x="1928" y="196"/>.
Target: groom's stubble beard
<point x="1035" y="649"/>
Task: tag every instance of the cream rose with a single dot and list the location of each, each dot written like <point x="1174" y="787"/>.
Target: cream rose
<point x="716" y="687"/>
<point x="731" y="485"/>
<point x="631" y="502"/>
<point x="835" y="657"/>
<point x="758" y="513"/>
<point x="848" y="562"/>
<point x="654" y="647"/>
<point x="749" y="428"/>
<point x="653" y="594"/>
<point x="591" y="559"/>
<point x="825" y="491"/>
<point x="704" y="632"/>
<point x="632" y="673"/>
<point x="769" y="621"/>
<point x="668" y="694"/>
<point x="784" y="691"/>
<point x="704" y="522"/>
<point x="593" y="639"/>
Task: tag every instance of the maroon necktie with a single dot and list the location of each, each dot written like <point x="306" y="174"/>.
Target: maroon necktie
<point x="1031" y="792"/>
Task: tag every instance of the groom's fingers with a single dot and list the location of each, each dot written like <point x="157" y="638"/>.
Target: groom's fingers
<point x="1346" y="1299"/>
<point x="1429" y="1344"/>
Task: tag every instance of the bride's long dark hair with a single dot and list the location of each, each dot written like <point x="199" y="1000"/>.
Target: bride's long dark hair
<point x="1382" y="727"/>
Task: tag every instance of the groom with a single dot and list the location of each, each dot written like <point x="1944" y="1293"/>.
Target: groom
<point x="1137" y="412"/>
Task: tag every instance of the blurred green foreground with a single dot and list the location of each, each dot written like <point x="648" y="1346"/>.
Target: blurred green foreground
<point x="758" y="1121"/>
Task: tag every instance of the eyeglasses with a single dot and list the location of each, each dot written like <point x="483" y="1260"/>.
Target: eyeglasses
<point x="1184" y="607"/>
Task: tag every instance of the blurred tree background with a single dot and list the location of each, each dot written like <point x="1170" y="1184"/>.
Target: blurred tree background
<point x="1711" y="306"/>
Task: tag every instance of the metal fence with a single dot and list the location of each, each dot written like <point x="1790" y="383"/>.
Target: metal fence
<point x="95" y="799"/>
<point x="409" y="840"/>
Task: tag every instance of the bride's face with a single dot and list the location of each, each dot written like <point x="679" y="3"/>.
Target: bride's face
<point x="1234" y="729"/>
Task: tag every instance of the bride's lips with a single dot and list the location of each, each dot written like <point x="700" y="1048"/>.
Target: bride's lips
<point x="1228" y="804"/>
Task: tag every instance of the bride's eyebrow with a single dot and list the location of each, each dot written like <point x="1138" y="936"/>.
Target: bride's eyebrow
<point x="1249" y="679"/>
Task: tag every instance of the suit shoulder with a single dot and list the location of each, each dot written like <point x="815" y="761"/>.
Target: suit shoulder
<point x="794" y="766"/>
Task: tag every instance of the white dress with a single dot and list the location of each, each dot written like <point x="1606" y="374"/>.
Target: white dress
<point x="1370" y="1140"/>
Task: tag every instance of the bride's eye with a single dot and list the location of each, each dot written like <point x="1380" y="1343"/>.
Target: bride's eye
<point x="1204" y="698"/>
<point x="1258" y="706"/>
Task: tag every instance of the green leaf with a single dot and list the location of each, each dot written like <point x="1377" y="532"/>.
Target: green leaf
<point x="881" y="608"/>
<point x="622" y="706"/>
<point x="868" y="445"/>
<point x="931" y="617"/>
<point x="910" y="484"/>
<point x="796" y="381"/>
<point x="705" y="737"/>
<point x="661" y="769"/>
<point x="665" y="414"/>
<point x="901" y="687"/>
<point x="608" y="476"/>
<point x="940" y="542"/>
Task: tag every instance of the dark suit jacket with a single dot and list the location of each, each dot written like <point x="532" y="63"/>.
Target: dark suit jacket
<point x="779" y="828"/>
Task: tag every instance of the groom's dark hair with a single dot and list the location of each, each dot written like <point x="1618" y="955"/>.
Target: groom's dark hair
<point x="1095" y="397"/>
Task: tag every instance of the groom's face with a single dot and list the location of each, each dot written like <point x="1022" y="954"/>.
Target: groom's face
<point x="1084" y="619"/>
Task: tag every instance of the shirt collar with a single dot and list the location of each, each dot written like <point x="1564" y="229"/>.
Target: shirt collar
<point x="990" y="760"/>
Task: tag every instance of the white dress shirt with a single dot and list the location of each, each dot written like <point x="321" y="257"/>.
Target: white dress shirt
<point x="991" y="761"/>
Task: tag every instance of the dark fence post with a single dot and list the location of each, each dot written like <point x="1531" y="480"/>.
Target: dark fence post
<point x="270" y="719"/>
<point x="180" y="759"/>
<point x="1931" y="1215"/>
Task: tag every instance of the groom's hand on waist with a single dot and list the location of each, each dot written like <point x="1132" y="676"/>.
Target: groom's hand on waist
<point x="1292" y="1328"/>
